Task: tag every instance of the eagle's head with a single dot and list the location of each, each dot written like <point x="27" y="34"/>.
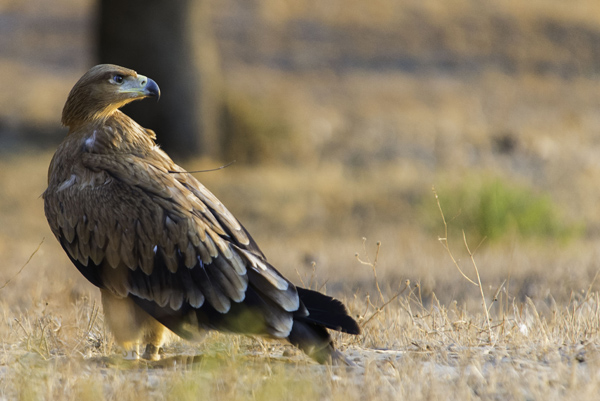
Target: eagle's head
<point x="104" y="89"/>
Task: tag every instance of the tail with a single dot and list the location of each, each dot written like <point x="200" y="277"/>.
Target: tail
<point x="309" y="333"/>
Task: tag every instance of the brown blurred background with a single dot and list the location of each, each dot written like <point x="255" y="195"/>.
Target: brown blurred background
<point x="341" y="116"/>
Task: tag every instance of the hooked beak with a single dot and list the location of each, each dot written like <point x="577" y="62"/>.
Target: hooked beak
<point x="141" y="87"/>
<point x="151" y="89"/>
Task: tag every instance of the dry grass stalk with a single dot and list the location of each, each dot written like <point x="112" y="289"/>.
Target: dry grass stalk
<point x="444" y="242"/>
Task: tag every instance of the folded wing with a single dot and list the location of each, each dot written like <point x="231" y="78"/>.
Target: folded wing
<point x="133" y="226"/>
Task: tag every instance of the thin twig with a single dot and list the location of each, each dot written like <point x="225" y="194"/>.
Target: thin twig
<point x="202" y="171"/>
<point x="372" y="264"/>
<point x="496" y="295"/>
<point x="22" y="267"/>
<point x="377" y="310"/>
<point x="487" y="315"/>
<point x="444" y="241"/>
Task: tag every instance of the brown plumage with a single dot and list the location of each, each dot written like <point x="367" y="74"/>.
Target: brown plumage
<point x="163" y="250"/>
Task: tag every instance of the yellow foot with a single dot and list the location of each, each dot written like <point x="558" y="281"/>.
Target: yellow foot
<point x="151" y="353"/>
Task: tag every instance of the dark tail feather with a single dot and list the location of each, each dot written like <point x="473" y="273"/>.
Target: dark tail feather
<point x="326" y="311"/>
<point x="309" y="333"/>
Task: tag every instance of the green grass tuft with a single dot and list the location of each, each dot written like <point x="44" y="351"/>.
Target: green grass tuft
<point x="493" y="209"/>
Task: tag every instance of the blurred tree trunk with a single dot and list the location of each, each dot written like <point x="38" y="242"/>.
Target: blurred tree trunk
<point x="171" y="42"/>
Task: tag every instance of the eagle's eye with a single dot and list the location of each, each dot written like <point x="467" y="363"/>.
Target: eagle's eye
<point x="118" y="79"/>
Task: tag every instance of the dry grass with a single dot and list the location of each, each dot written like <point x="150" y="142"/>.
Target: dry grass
<point x="407" y="351"/>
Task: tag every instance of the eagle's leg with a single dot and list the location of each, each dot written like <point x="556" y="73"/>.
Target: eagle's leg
<point x="120" y="314"/>
<point x="154" y="337"/>
<point x="132" y="326"/>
